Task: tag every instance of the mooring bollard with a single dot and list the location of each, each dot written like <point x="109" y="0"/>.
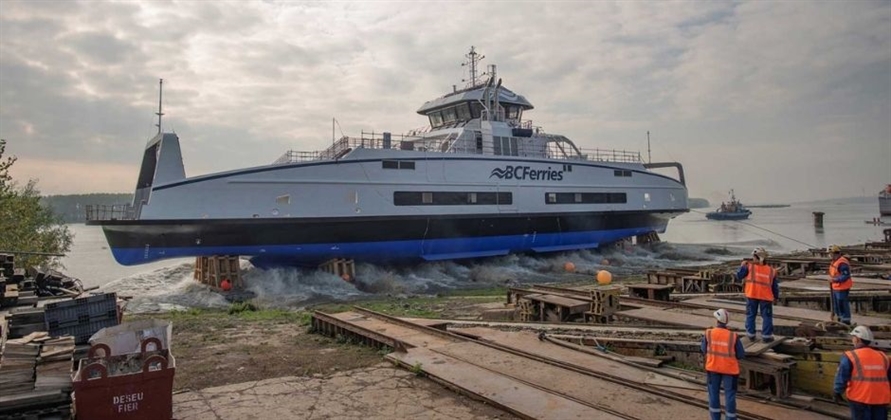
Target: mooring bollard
<point x="818" y="219"/>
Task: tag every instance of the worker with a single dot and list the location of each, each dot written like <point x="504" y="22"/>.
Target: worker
<point x="723" y="351"/>
<point x="762" y="290"/>
<point x="226" y="285"/>
<point x="865" y="375"/>
<point x="841" y="283"/>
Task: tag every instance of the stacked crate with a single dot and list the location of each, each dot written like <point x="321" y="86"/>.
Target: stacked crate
<point x="527" y="310"/>
<point x="82" y="317"/>
<point x="604" y="303"/>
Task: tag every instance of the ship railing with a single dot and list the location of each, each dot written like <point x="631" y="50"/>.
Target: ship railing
<point x="100" y="212"/>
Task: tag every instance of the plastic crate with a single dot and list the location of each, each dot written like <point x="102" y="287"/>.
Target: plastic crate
<point x="82" y="301"/>
<point x="73" y="312"/>
<point x="83" y="332"/>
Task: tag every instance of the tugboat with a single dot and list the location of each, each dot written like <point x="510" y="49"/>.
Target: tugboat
<point x="734" y="210"/>
<point x="885" y="201"/>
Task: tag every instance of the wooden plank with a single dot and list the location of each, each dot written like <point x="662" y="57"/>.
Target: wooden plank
<point x="821" y="285"/>
<point x="681" y="319"/>
<point x="754" y="348"/>
<point x="528" y="342"/>
<point x="861" y="280"/>
<point x="558" y="300"/>
<point x="786" y="312"/>
<point x="498" y="390"/>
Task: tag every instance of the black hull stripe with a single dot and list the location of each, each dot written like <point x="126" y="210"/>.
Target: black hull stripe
<point x="251" y="232"/>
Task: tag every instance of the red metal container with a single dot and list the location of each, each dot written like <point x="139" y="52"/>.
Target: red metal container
<point x="135" y="386"/>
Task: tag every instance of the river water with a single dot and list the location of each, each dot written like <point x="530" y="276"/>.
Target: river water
<point x="690" y="239"/>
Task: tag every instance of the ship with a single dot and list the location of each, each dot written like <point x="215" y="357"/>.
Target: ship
<point x="479" y="181"/>
<point x="734" y="210"/>
<point x="885" y="201"/>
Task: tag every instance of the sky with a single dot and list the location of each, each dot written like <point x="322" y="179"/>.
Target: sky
<point x="783" y="101"/>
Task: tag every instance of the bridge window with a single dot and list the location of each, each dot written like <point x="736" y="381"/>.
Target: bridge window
<point x="435" y="119"/>
<point x="463" y="111"/>
<point x="620" y="172"/>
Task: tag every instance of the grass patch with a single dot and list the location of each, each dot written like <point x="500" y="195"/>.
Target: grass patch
<point x="489" y="291"/>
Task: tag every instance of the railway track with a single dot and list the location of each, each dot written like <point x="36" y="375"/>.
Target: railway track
<point x="387" y="329"/>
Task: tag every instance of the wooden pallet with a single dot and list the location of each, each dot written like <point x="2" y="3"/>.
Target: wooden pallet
<point x="212" y="270"/>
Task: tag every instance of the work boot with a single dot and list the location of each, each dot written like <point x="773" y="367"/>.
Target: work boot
<point x="750" y="337"/>
<point x="767" y="339"/>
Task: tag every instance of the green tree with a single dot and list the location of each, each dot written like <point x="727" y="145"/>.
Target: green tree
<point x="25" y="225"/>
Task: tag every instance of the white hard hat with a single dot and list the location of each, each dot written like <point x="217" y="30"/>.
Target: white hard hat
<point x="862" y="332"/>
<point x="722" y="316"/>
<point x="760" y="253"/>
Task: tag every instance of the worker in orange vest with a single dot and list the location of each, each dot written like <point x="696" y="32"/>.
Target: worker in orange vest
<point x="865" y="374"/>
<point x="723" y="351"/>
<point x="841" y="283"/>
<point x="226" y="285"/>
<point x="762" y="290"/>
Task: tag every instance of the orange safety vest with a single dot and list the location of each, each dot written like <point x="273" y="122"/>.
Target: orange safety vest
<point x="833" y="273"/>
<point x="759" y="282"/>
<point x="869" y="377"/>
<point x="720" y="351"/>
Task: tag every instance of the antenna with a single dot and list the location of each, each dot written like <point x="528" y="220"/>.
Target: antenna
<point x="160" y="97"/>
<point x="473" y="59"/>
<point x="649" y="156"/>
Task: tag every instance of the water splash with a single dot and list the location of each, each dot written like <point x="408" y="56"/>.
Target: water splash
<point x="173" y="287"/>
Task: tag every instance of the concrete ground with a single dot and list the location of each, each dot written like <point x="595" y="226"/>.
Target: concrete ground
<point x="379" y="392"/>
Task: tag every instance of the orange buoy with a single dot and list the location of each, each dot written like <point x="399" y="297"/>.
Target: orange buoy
<point x="569" y="267"/>
<point x="604" y="262"/>
<point x="346" y="277"/>
<point x="604" y="277"/>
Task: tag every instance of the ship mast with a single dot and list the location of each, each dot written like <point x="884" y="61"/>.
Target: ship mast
<point x="473" y="60"/>
<point x="160" y="97"/>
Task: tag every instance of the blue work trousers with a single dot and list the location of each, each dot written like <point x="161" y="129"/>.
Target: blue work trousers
<point x="867" y="412"/>
<point x="714" y="395"/>
<point x="766" y="309"/>
<point x="842" y="306"/>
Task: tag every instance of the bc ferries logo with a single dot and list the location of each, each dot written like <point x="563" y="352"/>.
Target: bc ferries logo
<point x="523" y="173"/>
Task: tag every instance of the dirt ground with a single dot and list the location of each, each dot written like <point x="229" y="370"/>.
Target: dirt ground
<point x="267" y="364"/>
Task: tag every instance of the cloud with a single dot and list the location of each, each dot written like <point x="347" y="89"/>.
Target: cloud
<point x="792" y="87"/>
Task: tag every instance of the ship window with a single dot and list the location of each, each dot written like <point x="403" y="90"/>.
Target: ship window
<point x="647" y="197"/>
<point x="479" y="142"/>
<point x="586" y="198"/>
<point x="451" y="198"/>
<point x="449" y="115"/>
<point x="476" y="109"/>
<point x="513" y="112"/>
<point x="514" y="150"/>
<point x="283" y="199"/>
<point x="619" y="172"/>
<point x="463" y="112"/>
<point x="435" y="119"/>
<point x="397" y="164"/>
<point x="496" y="145"/>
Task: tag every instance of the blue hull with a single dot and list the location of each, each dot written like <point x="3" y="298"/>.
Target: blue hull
<point x="728" y="215"/>
<point x="392" y="251"/>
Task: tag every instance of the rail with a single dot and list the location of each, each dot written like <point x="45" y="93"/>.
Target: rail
<point x="555" y="147"/>
<point x="101" y="212"/>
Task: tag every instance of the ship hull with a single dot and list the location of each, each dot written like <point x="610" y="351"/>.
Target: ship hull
<point x="309" y="241"/>
<point x="728" y="215"/>
<point x="885" y="206"/>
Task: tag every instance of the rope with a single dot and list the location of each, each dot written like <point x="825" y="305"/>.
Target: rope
<point x="764" y="229"/>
